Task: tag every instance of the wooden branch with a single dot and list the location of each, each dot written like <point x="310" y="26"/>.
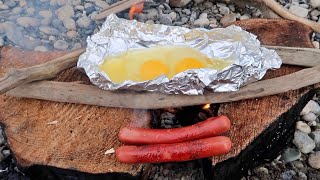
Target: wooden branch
<point x="116" y="7"/>
<point x="16" y="77"/>
<point x="91" y="95"/>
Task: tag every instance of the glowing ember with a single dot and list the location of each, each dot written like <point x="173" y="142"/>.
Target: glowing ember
<point x="136" y="9"/>
<point x="207" y="106"/>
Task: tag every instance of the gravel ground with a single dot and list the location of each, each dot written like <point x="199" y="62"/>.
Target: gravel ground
<point x="47" y="25"/>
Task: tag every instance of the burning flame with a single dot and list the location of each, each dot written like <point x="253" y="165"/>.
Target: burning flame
<point x="136" y="9"/>
<point x="207" y="106"/>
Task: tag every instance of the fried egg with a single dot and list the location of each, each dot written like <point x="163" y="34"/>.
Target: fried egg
<point x="148" y="64"/>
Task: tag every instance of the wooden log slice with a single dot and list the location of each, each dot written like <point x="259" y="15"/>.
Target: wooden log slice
<point x="64" y="135"/>
<point x="262" y="127"/>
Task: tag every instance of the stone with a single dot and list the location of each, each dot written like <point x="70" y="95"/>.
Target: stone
<point x="261" y="170"/>
<point x="41" y="49"/>
<point x="61" y="2"/>
<point x="315" y="13"/>
<point x="61" y="45"/>
<point x="312" y="123"/>
<point x="208" y="4"/>
<point x="72" y="34"/>
<point x="89" y="8"/>
<point x="303" y="127"/>
<point x="22" y="3"/>
<point x="299" y="11"/>
<point x="228" y="19"/>
<point x="1" y="42"/>
<point x="93" y="15"/>
<point x="76" y="46"/>
<point x="84" y="22"/>
<point x="79" y="7"/>
<point x="28" y="22"/>
<point x="290" y="154"/>
<point x="315" y="44"/>
<point x="65" y="12"/>
<point x="6" y="153"/>
<point x="30" y="11"/>
<point x="52" y="38"/>
<point x="302" y="176"/>
<point x="4" y="7"/>
<point x="314" y="18"/>
<point x="221" y="5"/>
<point x="10" y="3"/>
<point x="213" y="21"/>
<point x="232" y="7"/>
<point x="101" y="4"/>
<point x="202" y="22"/>
<point x="199" y="1"/>
<point x="16" y="10"/>
<point x="288" y="175"/>
<point x="243" y="17"/>
<point x="45" y="22"/>
<point x="315" y="3"/>
<point x="152" y="14"/>
<point x="303" y="142"/>
<point x="70" y="24"/>
<point x="49" y="30"/>
<point x="165" y="19"/>
<point x="311" y="106"/>
<point x="186" y="11"/>
<point x="314" y="160"/>
<point x="45" y="14"/>
<point x="224" y="10"/>
<point x="316" y="139"/>
<point x="76" y="2"/>
<point x="173" y="15"/>
<point x="306" y="6"/>
<point x="298" y="164"/>
<point x="309" y="117"/>
<point x="178" y="3"/>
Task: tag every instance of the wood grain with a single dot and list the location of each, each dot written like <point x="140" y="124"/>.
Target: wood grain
<point x="79" y="135"/>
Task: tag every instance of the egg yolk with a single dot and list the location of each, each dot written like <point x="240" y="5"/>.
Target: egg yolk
<point x="188" y="63"/>
<point x="152" y="69"/>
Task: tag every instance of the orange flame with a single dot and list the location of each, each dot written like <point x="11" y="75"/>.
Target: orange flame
<point x="136" y="9"/>
<point x="207" y="106"/>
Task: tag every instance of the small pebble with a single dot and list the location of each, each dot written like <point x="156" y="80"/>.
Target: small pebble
<point x="303" y="127"/>
<point x="4" y="7"/>
<point x="311" y="106"/>
<point x="314" y="160"/>
<point x="84" y="22"/>
<point x="228" y="19"/>
<point x="61" y="45"/>
<point x="302" y="176"/>
<point x="224" y="10"/>
<point x="288" y="175"/>
<point x="28" y="22"/>
<point x="165" y="19"/>
<point x="243" y="17"/>
<point x="315" y="13"/>
<point x="299" y="11"/>
<point x="316" y="139"/>
<point x="315" y="44"/>
<point x="290" y="154"/>
<point x="10" y="3"/>
<point x="309" y="117"/>
<point x="41" y="49"/>
<point x="315" y="3"/>
<point x="1" y="42"/>
<point x="16" y="10"/>
<point x="298" y="164"/>
<point x="76" y="46"/>
<point x="173" y="15"/>
<point x="303" y="142"/>
<point x="6" y="153"/>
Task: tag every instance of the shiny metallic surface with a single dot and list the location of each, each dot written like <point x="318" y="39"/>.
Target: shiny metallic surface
<point x="249" y="60"/>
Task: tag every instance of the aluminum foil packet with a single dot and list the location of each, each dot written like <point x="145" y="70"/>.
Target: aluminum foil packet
<point x="250" y="60"/>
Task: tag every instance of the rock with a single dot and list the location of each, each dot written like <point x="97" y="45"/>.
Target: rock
<point x="10" y="3"/>
<point x="221" y="5"/>
<point x="79" y="7"/>
<point x="243" y="17"/>
<point x="2" y="157"/>
<point x="316" y="139"/>
<point x="4" y="7"/>
<point x="1" y="42"/>
<point x="260" y="170"/>
<point x="165" y="19"/>
<point x="224" y="10"/>
<point x="315" y="44"/>
<point x="298" y="164"/>
<point x="52" y="38"/>
<point x="45" y="14"/>
<point x="309" y="117"/>
<point x="311" y="106"/>
<point x="61" y="45"/>
<point x="152" y="14"/>
<point x="302" y="176"/>
<point x="208" y="4"/>
<point x="89" y="8"/>
<point x="178" y="3"/>
<point x="72" y="34"/>
<point x="315" y="3"/>
<point x="22" y="3"/>
<point x="303" y="127"/>
<point x="232" y="7"/>
<point x="69" y="24"/>
<point x="76" y="2"/>
<point x="228" y="19"/>
<point x="303" y="142"/>
<point x="299" y="11"/>
<point x="49" y="30"/>
<point x="76" y="46"/>
<point x="6" y="153"/>
<point x="28" y="22"/>
<point x="314" y="160"/>
<point x="101" y="4"/>
<point x="16" y="10"/>
<point x="93" y="15"/>
<point x="41" y="48"/>
<point x="61" y="2"/>
<point x="312" y="123"/>
<point x="314" y="18"/>
<point x="84" y="22"/>
<point x="173" y="15"/>
<point x="290" y="154"/>
<point x="306" y="6"/>
<point x="56" y="23"/>
<point x="46" y="22"/>
<point x="213" y="21"/>
<point x="2" y="141"/>
<point x="30" y="11"/>
<point x="186" y="11"/>
<point x="315" y="13"/>
<point x="65" y="12"/>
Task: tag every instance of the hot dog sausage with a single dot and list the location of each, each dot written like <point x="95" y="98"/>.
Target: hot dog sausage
<point x="174" y="152"/>
<point x="211" y="127"/>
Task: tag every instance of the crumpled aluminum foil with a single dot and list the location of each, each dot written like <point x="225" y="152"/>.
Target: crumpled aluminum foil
<point x="250" y="60"/>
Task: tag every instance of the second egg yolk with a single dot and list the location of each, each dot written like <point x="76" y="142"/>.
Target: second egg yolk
<point x="152" y="69"/>
<point x="188" y="63"/>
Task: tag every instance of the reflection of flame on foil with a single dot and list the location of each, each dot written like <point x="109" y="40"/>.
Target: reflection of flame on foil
<point x="136" y="9"/>
<point x="207" y="106"/>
